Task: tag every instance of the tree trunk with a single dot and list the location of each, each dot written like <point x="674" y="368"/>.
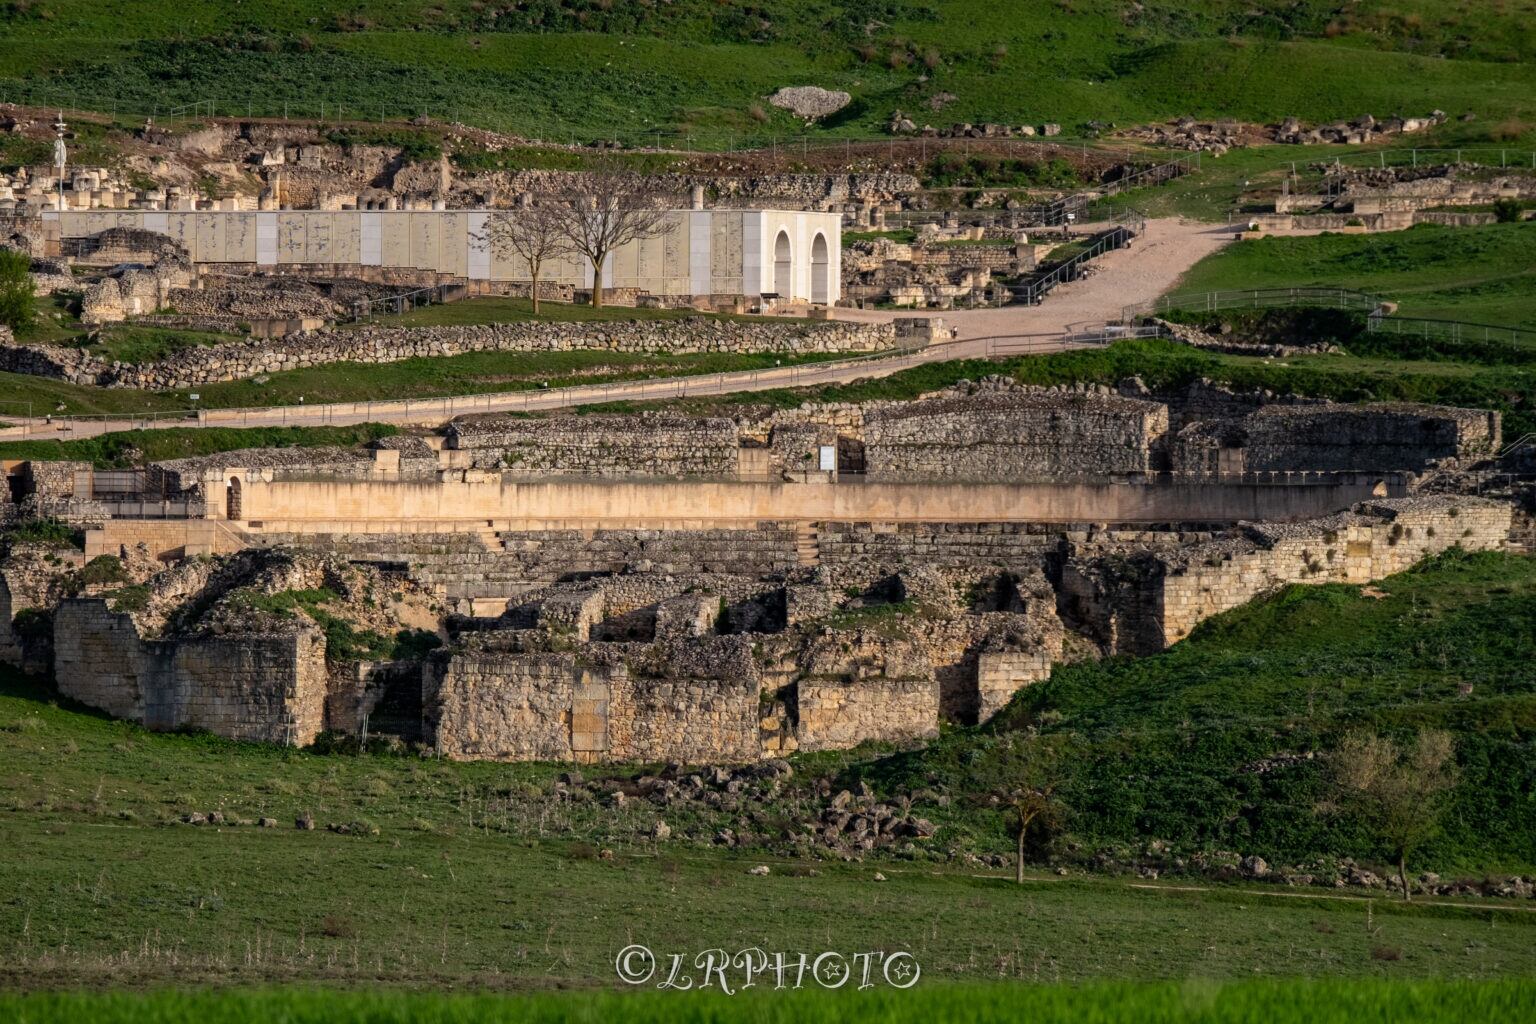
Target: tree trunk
<point x="534" y="293"/>
<point x="598" y="259"/>
<point x="1402" y="873"/>
<point x="1018" y="865"/>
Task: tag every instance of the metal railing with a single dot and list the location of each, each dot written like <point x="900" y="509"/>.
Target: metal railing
<point x="1040" y="285"/>
<point x="1254" y="298"/>
<point x="1455" y="331"/>
<point x="404" y="302"/>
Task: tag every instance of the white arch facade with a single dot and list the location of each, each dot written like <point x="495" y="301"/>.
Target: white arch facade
<point x="701" y="252"/>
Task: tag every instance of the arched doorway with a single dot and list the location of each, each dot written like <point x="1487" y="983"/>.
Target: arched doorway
<point x="232" y="499"/>
<point x="781" y="266"/>
<point x="821" y="280"/>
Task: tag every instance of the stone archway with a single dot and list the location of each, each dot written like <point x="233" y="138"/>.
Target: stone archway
<point x="821" y="271"/>
<point x="782" y="266"/>
<point x="232" y="502"/>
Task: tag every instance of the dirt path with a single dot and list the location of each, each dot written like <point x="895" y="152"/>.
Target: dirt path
<point x="1150" y="266"/>
<point x="1146" y="269"/>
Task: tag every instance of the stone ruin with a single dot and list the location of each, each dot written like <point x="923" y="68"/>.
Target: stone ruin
<point x="693" y="634"/>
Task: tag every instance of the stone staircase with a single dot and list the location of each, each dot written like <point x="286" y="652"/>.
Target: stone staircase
<point x="807" y="545"/>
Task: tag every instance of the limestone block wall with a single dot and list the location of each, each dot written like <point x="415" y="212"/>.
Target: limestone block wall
<point x="862" y="685"/>
<point x="601" y="446"/>
<point x="505" y="707"/>
<point x="266" y="688"/>
<point x="703" y="709"/>
<point x="560" y="706"/>
<point x="1141" y="605"/>
<point x="1371" y="437"/>
<point x="1023" y="436"/>
<point x="1001" y="674"/>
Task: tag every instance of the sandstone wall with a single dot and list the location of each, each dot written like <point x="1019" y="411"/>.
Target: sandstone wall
<point x="1027" y="436"/>
<point x="266" y="688"/>
<point x="857" y="686"/>
<point x="1142" y="604"/>
<point x="601" y="446"/>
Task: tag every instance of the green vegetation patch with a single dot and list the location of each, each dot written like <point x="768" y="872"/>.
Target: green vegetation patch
<point x="1483" y="274"/>
<point x="129" y="448"/>
<point x="1221" y="742"/>
<point x="1200" y="1001"/>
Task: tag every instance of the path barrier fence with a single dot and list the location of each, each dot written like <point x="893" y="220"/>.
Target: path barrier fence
<point x="1454" y="331"/>
<point x="1253" y="298"/>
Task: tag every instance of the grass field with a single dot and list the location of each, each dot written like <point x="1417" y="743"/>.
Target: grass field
<point x="1192" y="1002"/>
<point x="477" y="874"/>
<point x="128" y="448"/>
<point x="697" y="74"/>
<point x="1484" y="274"/>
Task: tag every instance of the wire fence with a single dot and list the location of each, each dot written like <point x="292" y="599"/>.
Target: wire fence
<point x="171" y="109"/>
<point x="1454" y="331"/>
<point x="1252" y="298"/>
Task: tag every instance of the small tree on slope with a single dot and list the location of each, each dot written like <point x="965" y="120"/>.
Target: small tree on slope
<point x="1398" y="793"/>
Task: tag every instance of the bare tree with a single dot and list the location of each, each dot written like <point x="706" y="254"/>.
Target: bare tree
<point x="537" y="234"/>
<point x="1399" y="793"/>
<point x="608" y="208"/>
<point x="1029" y="768"/>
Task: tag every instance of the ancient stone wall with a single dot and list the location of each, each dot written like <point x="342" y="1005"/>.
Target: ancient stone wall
<point x="269" y="688"/>
<point x="701" y="706"/>
<point x="371" y="344"/>
<point x="858" y="686"/>
<point x="1323" y="436"/>
<point x="1374" y="437"/>
<point x="601" y="446"/>
<point x="1021" y="437"/>
<point x="463" y="566"/>
<point x="1141" y="604"/>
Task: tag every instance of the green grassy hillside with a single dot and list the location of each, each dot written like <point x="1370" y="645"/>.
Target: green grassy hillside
<point x="1485" y="274"/>
<point x="562" y="68"/>
<point x="1215" y="743"/>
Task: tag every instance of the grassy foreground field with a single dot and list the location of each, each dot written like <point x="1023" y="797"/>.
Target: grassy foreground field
<point x="1355" y="1002"/>
<point x="483" y="874"/>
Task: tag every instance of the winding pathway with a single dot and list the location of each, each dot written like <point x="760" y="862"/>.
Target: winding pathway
<point x="1143" y="271"/>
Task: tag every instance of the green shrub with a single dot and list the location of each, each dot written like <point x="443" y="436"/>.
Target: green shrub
<point x="18" y="306"/>
<point x="48" y="531"/>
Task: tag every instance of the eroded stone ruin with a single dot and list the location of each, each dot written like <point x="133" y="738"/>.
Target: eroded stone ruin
<point x="714" y="588"/>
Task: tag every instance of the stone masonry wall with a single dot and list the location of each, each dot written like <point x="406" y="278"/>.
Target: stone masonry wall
<point x="1373" y="437"/>
<point x="387" y="344"/>
<point x="506" y="706"/>
<point x="1140" y="605"/>
<point x="601" y="446"/>
<point x="265" y="688"/>
<point x="1024" y="436"/>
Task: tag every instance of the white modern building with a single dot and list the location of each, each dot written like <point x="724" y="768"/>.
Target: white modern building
<point x="790" y="253"/>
